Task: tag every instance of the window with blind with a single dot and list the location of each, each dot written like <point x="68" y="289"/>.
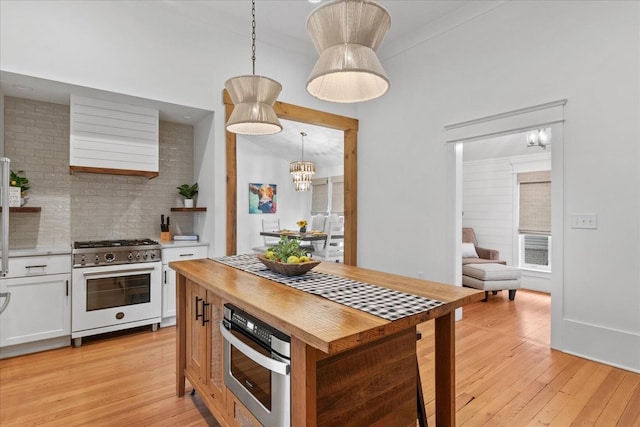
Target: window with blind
<point x="535" y="203"/>
<point x="325" y="190"/>
<point x="535" y="219"/>
<point x="337" y="194"/>
<point x="320" y="196"/>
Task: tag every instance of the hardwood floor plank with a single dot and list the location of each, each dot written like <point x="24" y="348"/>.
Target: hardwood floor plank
<point x="579" y="391"/>
<point x="620" y="398"/>
<point x="631" y="414"/>
<point x="506" y="375"/>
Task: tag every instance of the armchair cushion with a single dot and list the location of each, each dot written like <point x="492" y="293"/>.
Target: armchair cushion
<point x="469" y="251"/>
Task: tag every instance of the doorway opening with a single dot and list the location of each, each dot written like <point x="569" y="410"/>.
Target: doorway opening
<point x="517" y="122"/>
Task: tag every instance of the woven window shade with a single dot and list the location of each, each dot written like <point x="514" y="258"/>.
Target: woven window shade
<point x="320" y="196"/>
<point x="535" y="203"/>
<point x="337" y="194"/>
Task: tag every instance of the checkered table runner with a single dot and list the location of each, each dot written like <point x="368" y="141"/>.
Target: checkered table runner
<point x="382" y="302"/>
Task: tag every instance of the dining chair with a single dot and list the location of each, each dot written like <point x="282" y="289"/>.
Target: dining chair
<point x="333" y="248"/>
<point x="268" y="224"/>
<point x="317" y="224"/>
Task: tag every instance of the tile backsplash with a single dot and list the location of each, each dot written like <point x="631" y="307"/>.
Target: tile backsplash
<point x="88" y="206"/>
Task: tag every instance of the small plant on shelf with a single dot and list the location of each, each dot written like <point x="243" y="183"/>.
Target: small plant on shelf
<point x="20" y="181"/>
<point x="188" y="191"/>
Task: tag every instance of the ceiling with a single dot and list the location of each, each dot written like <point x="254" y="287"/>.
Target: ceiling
<point x="323" y="146"/>
<point x="279" y="22"/>
<point x="284" y="21"/>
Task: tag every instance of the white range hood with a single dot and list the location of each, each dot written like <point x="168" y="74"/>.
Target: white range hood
<point x="113" y="138"/>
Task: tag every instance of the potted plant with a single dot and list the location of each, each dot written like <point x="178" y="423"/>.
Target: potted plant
<point x="16" y="180"/>
<point x="188" y="192"/>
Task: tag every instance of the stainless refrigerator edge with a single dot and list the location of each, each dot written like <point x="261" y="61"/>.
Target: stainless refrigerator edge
<point x="5" y="166"/>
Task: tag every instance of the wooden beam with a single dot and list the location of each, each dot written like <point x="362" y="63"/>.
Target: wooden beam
<point x="300" y="114"/>
<point x="232" y="182"/>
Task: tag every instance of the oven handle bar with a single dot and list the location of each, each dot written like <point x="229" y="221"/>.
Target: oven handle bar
<point x="264" y="361"/>
<point x="111" y="272"/>
<point x="7" y="297"/>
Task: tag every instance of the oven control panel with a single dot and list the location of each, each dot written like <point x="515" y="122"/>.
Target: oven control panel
<point x="252" y="326"/>
<point x="90" y="259"/>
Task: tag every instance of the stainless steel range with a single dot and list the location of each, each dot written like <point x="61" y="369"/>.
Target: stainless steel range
<point x="116" y="284"/>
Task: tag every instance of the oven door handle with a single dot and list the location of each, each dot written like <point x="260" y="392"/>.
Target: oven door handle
<point x="111" y="273"/>
<point x="264" y="361"/>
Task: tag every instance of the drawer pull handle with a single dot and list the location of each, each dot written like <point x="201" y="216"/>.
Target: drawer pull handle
<point x="186" y="254"/>
<point x="204" y="315"/>
<point x="35" y="266"/>
<point x="199" y="315"/>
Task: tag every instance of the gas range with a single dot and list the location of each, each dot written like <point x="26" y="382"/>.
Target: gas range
<point x="112" y="252"/>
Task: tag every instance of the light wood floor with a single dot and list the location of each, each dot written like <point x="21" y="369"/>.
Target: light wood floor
<point x="506" y="376"/>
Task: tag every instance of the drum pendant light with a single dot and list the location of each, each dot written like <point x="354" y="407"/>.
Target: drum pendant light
<point x="347" y="34"/>
<point x="253" y="97"/>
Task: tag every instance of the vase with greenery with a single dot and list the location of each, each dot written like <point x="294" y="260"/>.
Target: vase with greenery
<point x="188" y="192"/>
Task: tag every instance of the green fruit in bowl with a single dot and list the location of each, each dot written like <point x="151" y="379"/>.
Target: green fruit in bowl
<point x="304" y="258"/>
<point x="285" y="250"/>
<point x="270" y="255"/>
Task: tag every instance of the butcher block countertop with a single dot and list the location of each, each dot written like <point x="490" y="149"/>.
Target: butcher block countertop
<point x="325" y="325"/>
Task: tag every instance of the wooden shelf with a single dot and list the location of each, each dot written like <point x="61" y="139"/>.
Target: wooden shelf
<point x="188" y="209"/>
<point x="29" y="209"/>
<point x="107" y="171"/>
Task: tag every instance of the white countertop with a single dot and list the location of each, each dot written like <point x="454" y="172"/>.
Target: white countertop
<point x="42" y="250"/>
<point x="182" y="243"/>
<point x="66" y="249"/>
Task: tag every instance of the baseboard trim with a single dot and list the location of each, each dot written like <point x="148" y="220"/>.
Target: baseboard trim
<point x="620" y="349"/>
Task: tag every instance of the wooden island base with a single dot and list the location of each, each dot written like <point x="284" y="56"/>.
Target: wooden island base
<point x="348" y="367"/>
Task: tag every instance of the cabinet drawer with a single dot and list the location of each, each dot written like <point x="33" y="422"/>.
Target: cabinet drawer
<point x="39" y="265"/>
<point x="183" y="253"/>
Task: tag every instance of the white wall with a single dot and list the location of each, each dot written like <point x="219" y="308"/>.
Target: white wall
<point x="487" y="194"/>
<point x="522" y="53"/>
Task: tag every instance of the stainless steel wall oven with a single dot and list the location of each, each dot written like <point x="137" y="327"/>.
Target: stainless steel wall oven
<point x="257" y="366"/>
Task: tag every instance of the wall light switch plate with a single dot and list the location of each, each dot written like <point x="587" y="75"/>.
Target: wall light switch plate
<point x="589" y="221"/>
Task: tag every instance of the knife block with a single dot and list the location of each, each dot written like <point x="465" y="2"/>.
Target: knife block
<point x="165" y="236"/>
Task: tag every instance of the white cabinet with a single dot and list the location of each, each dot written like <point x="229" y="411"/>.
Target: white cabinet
<point x="39" y="308"/>
<point x="182" y="252"/>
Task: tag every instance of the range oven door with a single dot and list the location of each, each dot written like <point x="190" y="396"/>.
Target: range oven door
<point x="112" y="295"/>
<point x="259" y="378"/>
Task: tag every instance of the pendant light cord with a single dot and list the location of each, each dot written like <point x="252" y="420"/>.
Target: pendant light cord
<point x="253" y="35"/>
<point x="303" y="135"/>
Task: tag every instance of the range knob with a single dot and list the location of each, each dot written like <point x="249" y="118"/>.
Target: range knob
<point x="146" y="255"/>
<point x="153" y="255"/>
<point x="109" y="257"/>
<point x="138" y="255"/>
<point x="130" y="256"/>
<point x="97" y="259"/>
<point x="83" y="260"/>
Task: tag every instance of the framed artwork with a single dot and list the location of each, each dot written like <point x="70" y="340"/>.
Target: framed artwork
<point x="262" y="198"/>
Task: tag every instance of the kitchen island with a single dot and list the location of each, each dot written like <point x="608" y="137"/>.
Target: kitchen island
<point x="348" y="367"/>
